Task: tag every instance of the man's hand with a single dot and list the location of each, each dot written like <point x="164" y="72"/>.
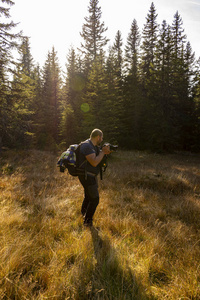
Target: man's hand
<point x="106" y="149"/>
<point x="95" y="160"/>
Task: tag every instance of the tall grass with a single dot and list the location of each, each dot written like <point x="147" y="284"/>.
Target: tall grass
<point x="145" y="243"/>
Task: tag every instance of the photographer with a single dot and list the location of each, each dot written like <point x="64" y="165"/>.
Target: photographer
<point x="90" y="158"/>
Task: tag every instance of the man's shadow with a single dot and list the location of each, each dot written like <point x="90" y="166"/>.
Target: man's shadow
<point x="112" y="277"/>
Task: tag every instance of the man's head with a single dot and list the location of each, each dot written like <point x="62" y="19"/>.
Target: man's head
<point x="96" y="136"/>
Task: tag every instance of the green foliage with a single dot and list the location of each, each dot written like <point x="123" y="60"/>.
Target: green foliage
<point x="8" y="41"/>
<point x="132" y="49"/>
<point x="47" y="105"/>
<point x="93" y="32"/>
<point x="21" y="99"/>
<point x="71" y="112"/>
<point x="146" y="97"/>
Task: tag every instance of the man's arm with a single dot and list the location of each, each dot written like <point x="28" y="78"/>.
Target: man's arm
<point x="95" y="160"/>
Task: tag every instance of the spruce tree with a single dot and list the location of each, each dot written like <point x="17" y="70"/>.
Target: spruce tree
<point x="190" y="118"/>
<point x="51" y="89"/>
<point x="94" y="41"/>
<point x="26" y="57"/>
<point x="163" y="96"/>
<point x="8" y="41"/>
<point x="71" y="113"/>
<point x="118" y="53"/>
<point x="181" y="101"/>
<point x="114" y="93"/>
<point x="95" y="97"/>
<point x="179" y="37"/>
<point x="133" y="104"/>
<point x="56" y="89"/>
<point x="148" y="78"/>
<point x="22" y="94"/>
<point x="38" y="107"/>
<point x="148" y="47"/>
<point x="93" y="33"/>
<point x="132" y="49"/>
<point x="196" y="97"/>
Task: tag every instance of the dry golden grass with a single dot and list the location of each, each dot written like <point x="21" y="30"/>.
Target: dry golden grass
<point x="145" y="243"/>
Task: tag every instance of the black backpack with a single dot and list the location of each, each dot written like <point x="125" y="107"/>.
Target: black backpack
<point x="69" y="160"/>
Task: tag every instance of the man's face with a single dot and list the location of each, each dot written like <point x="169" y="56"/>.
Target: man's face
<point x="100" y="140"/>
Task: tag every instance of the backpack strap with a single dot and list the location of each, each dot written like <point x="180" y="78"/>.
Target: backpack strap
<point x="85" y="161"/>
<point x="77" y="163"/>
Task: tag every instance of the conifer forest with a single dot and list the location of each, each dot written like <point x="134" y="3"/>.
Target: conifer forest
<point x="143" y="92"/>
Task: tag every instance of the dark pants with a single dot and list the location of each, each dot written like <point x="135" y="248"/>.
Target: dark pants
<point x="91" y="198"/>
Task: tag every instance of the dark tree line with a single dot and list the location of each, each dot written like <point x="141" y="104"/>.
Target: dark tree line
<point x="143" y="95"/>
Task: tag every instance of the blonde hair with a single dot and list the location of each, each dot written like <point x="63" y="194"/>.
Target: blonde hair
<point x="96" y="132"/>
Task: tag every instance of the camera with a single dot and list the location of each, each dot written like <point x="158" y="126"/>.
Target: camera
<point x="112" y="147"/>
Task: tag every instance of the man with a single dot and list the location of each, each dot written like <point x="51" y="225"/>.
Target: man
<point x="90" y="158"/>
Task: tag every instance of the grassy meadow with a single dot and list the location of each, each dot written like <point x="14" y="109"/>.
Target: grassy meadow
<point x="145" y="243"/>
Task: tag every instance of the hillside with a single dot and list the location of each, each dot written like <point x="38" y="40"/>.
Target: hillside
<point x="145" y="243"/>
